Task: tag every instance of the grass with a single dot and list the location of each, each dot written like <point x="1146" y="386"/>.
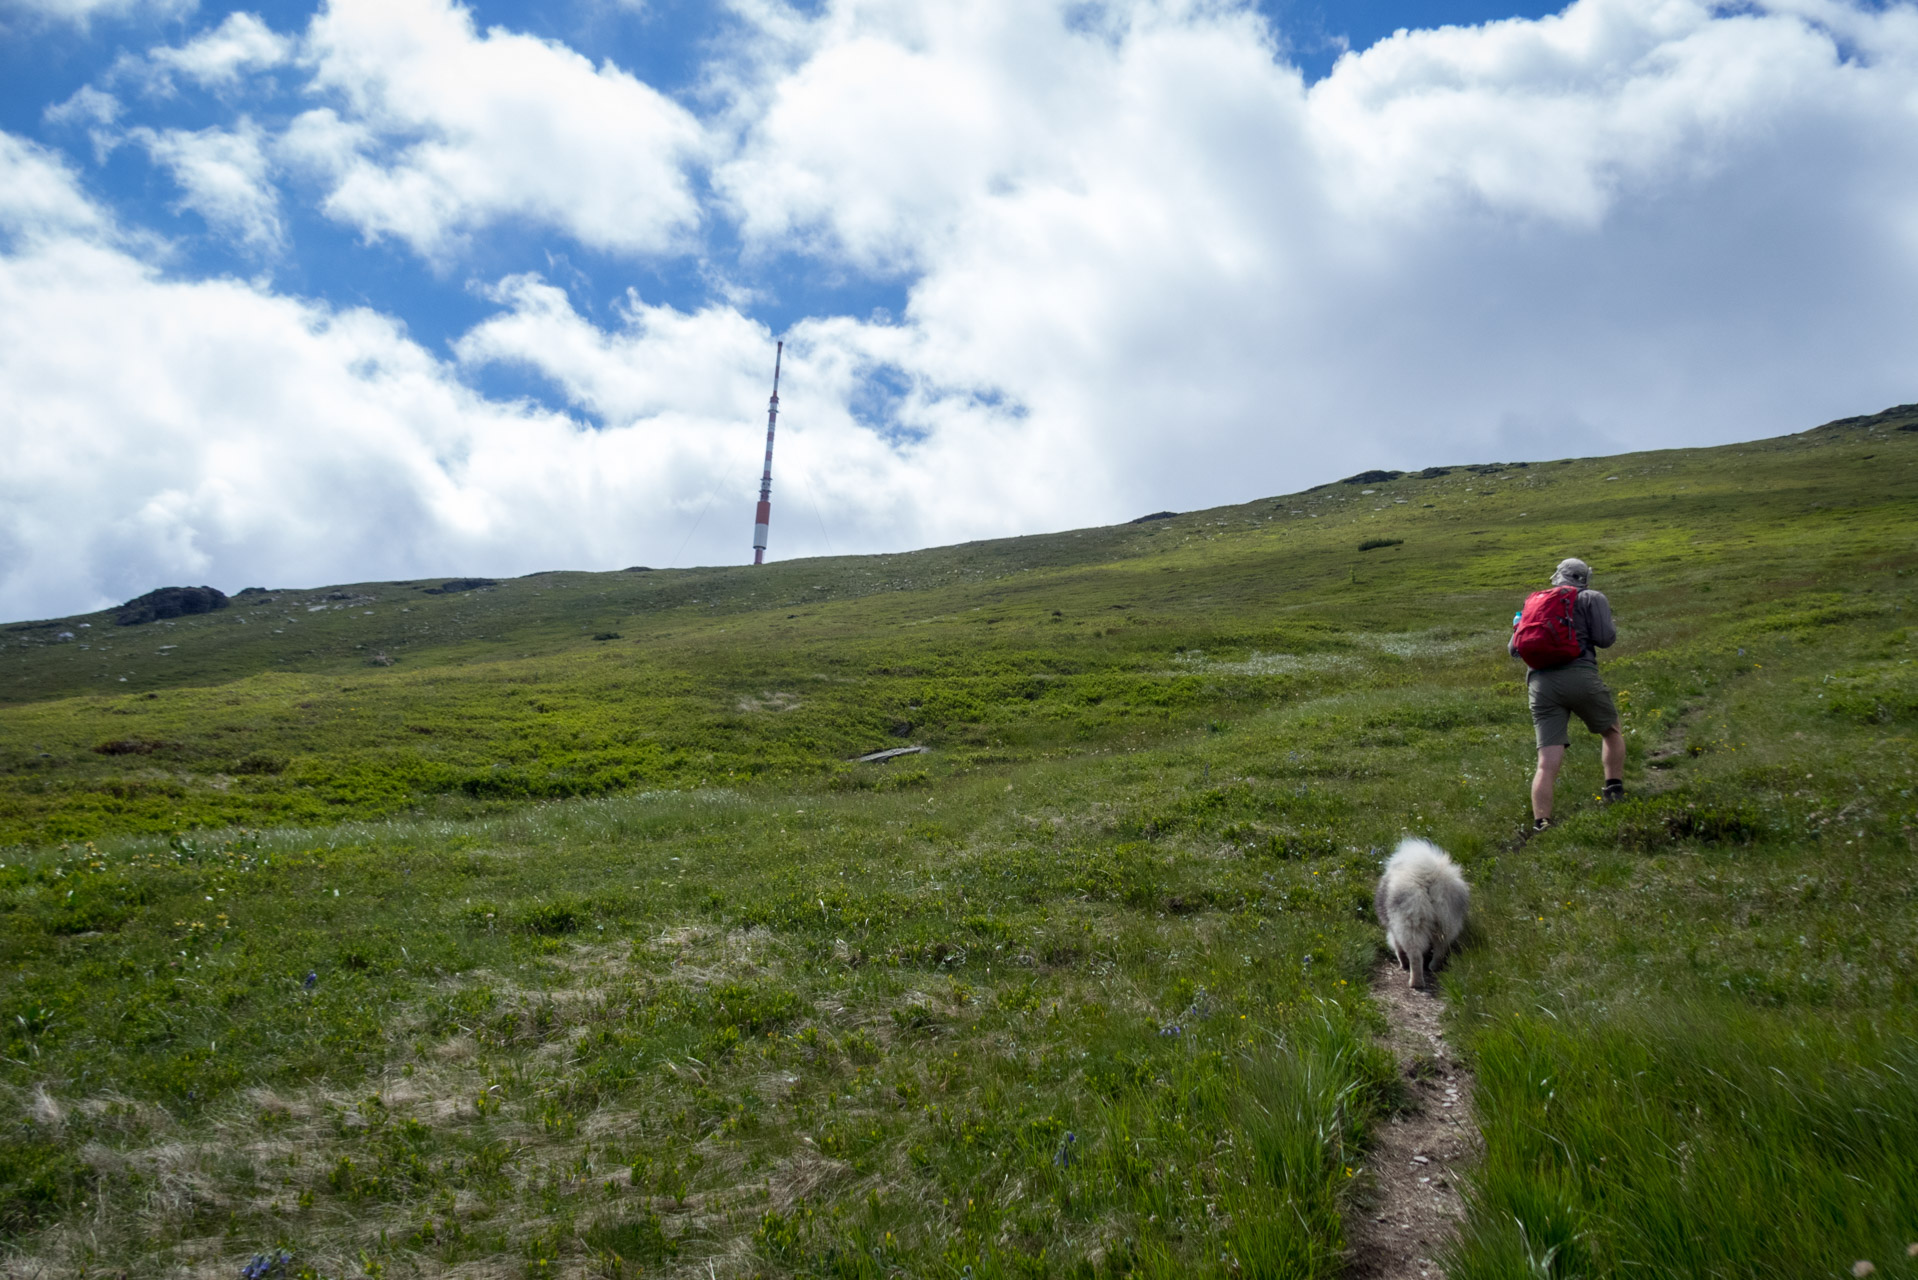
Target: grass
<point x="765" y="1050"/>
<point x="569" y="943"/>
<point x="1695" y="1141"/>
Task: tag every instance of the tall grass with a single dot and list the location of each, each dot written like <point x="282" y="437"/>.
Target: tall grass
<point x="1698" y="1140"/>
<point x="1308" y="1105"/>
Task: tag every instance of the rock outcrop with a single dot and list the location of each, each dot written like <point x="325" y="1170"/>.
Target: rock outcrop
<point x="170" y="602"/>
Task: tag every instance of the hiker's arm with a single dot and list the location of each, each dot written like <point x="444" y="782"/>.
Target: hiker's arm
<point x="1604" y="631"/>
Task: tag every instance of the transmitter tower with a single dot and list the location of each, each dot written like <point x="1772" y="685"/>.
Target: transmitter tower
<point x="764" y="515"/>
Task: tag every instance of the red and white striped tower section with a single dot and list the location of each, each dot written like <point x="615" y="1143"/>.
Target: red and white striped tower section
<point x="764" y="516"/>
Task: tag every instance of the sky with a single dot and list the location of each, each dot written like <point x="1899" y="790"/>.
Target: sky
<point x="382" y="289"/>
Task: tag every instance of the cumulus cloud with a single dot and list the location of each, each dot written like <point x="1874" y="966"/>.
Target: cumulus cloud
<point x="870" y="434"/>
<point x="661" y="361"/>
<point x="87" y="106"/>
<point x="1146" y="266"/>
<point x="1220" y="281"/>
<point x="1562" y="117"/>
<point x="40" y="196"/>
<point x="81" y="13"/>
<point x="159" y="430"/>
<point x="242" y="437"/>
<point x="224" y="176"/>
<point x="438" y="131"/>
<point x="220" y="57"/>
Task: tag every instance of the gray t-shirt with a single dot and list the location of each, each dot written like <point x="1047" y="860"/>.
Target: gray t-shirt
<point x="1592" y="624"/>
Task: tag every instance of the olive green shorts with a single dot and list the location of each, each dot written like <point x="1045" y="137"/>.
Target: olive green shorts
<point x="1559" y="694"/>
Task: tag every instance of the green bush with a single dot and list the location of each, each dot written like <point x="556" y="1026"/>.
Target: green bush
<point x="1307" y="842"/>
<point x="755" y="1008"/>
<point x="1662" y="821"/>
<point x="640" y="1240"/>
<point x="37" y="1178"/>
<point x="548" y="918"/>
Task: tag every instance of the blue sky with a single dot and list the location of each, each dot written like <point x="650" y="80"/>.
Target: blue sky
<point x="318" y="293"/>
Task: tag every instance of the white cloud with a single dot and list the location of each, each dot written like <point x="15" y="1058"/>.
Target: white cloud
<point x="1219" y="282"/>
<point x="81" y="13"/>
<point x="160" y="430"/>
<point x="87" y="106"/>
<point x="224" y="176"/>
<point x="1562" y="117"/>
<point x="1148" y="267"/>
<point x="661" y="362"/>
<point x="888" y="127"/>
<point x="440" y="131"/>
<point x="40" y="195"/>
<point x="930" y="467"/>
<point x="218" y="58"/>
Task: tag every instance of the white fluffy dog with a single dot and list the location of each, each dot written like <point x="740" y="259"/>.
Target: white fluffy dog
<point x="1421" y="901"/>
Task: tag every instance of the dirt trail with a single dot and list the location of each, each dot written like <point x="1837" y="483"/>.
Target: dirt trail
<point x="1414" y="1206"/>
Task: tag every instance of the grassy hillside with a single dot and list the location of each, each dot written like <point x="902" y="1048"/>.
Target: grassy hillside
<point x="546" y="928"/>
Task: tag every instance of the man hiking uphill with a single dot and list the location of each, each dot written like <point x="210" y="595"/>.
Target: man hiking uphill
<point x="1558" y="633"/>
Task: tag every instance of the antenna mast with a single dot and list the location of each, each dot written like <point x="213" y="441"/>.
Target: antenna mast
<point x="764" y="515"/>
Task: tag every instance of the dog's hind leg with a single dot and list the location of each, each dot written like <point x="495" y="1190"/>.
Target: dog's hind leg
<point x="1418" y="971"/>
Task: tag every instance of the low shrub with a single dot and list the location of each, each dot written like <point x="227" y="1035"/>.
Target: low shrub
<point x="755" y="1008"/>
<point x="1308" y="842"/>
<point x="548" y="918"/>
<point x="638" y="1240"/>
<point x="37" y="1178"/>
<point x="1669" y="820"/>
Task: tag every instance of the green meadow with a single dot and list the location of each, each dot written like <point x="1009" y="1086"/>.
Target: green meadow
<point x="550" y="927"/>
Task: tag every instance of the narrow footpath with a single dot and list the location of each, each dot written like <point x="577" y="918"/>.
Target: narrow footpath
<point x="1412" y="1209"/>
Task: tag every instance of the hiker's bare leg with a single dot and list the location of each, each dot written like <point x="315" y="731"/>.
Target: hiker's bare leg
<point x="1611" y="751"/>
<point x="1549" y="759"/>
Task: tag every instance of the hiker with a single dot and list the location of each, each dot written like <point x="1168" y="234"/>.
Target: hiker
<point x="1558" y="633"/>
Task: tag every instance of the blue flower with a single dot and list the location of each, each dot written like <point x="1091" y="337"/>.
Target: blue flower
<point x="264" y="1265"/>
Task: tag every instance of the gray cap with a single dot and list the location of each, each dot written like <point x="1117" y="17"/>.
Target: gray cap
<point x="1572" y="573"/>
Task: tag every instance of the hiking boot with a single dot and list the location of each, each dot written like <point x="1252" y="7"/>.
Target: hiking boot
<point x="1541" y="824"/>
<point x="1614" y="791"/>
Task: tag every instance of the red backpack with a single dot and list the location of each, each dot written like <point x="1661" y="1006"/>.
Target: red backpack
<point x="1543" y="634"/>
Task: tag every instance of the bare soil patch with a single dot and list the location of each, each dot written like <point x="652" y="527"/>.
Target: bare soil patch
<point x="1414" y="1203"/>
